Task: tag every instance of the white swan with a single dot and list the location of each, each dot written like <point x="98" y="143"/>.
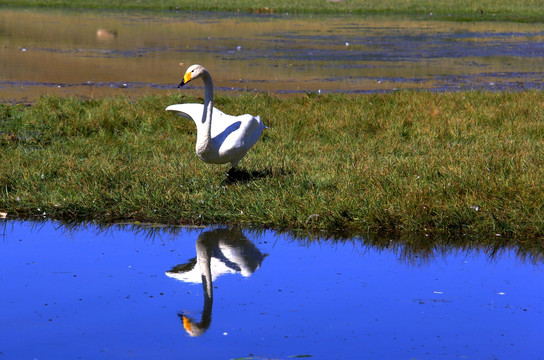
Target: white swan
<point x="225" y="138"/>
<point x="218" y="252"/>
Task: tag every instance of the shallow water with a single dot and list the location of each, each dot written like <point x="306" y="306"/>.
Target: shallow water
<point x="99" y="53"/>
<point x="136" y="292"/>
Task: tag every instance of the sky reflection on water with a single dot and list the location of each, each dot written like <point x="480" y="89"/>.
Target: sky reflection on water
<point x="92" y="292"/>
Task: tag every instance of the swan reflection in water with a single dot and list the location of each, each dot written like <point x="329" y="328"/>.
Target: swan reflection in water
<point x="218" y="252"/>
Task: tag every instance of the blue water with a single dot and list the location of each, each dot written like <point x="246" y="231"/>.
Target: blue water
<point x="104" y="293"/>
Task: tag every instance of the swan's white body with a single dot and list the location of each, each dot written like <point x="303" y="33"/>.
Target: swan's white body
<point x="222" y="138"/>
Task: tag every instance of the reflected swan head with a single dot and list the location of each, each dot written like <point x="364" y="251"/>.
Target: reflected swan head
<point x="194" y="328"/>
<point x="219" y="251"/>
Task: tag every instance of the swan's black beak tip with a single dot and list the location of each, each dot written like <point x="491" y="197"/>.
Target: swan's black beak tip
<point x="181" y="84"/>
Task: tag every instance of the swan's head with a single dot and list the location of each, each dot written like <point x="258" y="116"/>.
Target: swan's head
<point x="193" y="72"/>
<point x="193" y="328"/>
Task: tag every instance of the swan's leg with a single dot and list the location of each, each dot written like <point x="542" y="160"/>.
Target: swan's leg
<point x="233" y="173"/>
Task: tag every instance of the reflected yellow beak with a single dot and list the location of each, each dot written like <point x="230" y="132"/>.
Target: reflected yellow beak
<point x="187" y="324"/>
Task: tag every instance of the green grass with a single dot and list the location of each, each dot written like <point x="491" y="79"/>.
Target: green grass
<point x="463" y="10"/>
<point x="406" y="162"/>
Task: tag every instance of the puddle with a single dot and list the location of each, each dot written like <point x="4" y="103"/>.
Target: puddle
<point x="96" y="54"/>
<point x="122" y="292"/>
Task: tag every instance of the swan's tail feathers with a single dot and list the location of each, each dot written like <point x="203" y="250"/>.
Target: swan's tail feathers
<point x="258" y="117"/>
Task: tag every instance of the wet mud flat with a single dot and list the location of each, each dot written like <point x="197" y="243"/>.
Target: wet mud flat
<point x="120" y="292"/>
<point x="100" y="53"/>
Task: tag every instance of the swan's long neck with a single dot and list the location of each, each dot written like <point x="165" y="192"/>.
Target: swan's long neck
<point x="203" y="254"/>
<point x="204" y="138"/>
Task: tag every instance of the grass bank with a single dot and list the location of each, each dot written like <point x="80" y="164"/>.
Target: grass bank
<point x="430" y="163"/>
<point x="460" y="10"/>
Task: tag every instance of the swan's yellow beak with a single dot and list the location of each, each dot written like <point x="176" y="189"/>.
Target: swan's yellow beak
<point x="186" y="79"/>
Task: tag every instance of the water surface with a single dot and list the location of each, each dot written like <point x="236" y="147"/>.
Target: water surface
<point x="98" y="53"/>
<point x="137" y="292"/>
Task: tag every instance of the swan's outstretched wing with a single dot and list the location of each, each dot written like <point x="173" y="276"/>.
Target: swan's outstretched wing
<point x="192" y="111"/>
<point x="188" y="111"/>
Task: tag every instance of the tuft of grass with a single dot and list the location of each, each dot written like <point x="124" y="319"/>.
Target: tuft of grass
<point x="458" y="10"/>
<point x="405" y="162"/>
